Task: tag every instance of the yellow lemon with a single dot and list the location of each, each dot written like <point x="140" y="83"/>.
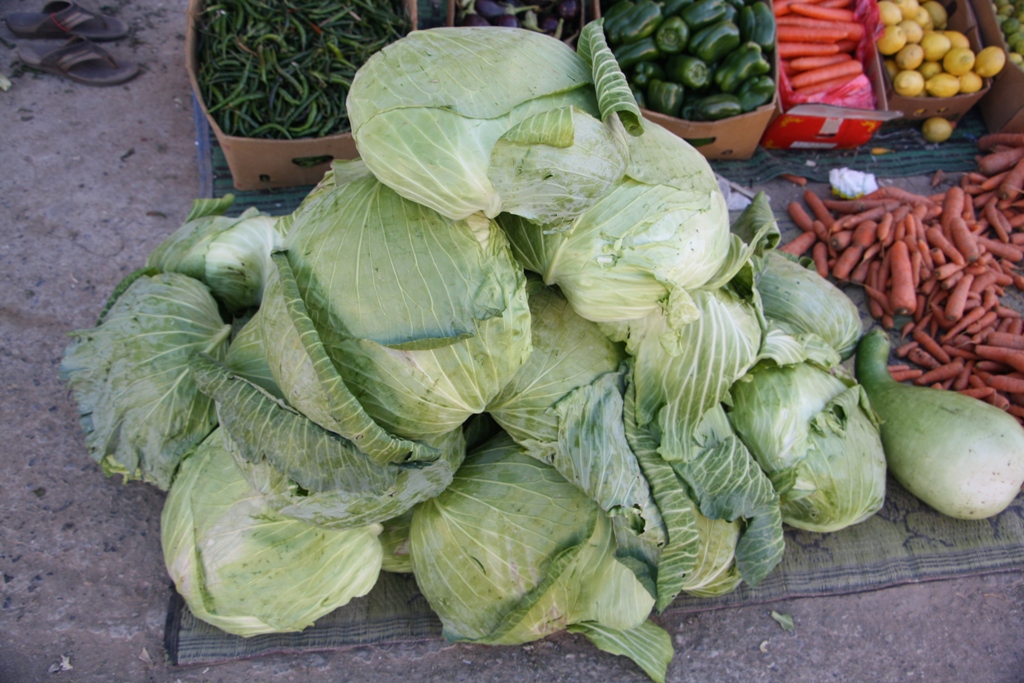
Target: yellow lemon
<point x="1016" y="58"/>
<point x="938" y="13"/>
<point x="924" y="20"/>
<point x="929" y="69"/>
<point x="889" y="13"/>
<point x="958" y="61"/>
<point x="970" y="82"/>
<point x="910" y="57"/>
<point x="935" y="45"/>
<point x="990" y="61"/>
<point x="892" y="40"/>
<point x="957" y="39"/>
<point x="891" y="67"/>
<point x="942" y="85"/>
<point x="908" y="83"/>
<point x="936" y="129"/>
<point x="908" y="8"/>
<point x="913" y="30"/>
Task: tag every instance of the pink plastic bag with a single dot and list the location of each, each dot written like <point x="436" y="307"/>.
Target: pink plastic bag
<point x="858" y="93"/>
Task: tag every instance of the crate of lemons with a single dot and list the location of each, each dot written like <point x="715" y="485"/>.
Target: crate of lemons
<point x="924" y="59"/>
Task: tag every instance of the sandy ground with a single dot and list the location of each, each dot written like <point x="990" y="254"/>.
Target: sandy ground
<point x="90" y="181"/>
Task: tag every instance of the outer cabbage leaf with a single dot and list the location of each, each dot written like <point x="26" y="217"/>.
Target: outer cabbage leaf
<point x="662" y="231"/>
<point x="649" y="645"/>
<point x="247" y="357"/>
<point x="246" y="569"/>
<point x="394" y="541"/>
<point x="427" y="114"/>
<point x="530" y="583"/>
<point x="139" y="406"/>
<point x="424" y="318"/>
<point x="564" y="406"/>
<point x="230" y="255"/>
<point x="308" y="473"/>
<point x="814" y="433"/>
<point x="799" y="301"/>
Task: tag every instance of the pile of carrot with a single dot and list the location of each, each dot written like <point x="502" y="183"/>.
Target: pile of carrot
<point x="817" y="40"/>
<point x="942" y="260"/>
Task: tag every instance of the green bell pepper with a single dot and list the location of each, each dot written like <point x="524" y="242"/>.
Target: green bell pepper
<point x="757" y="24"/>
<point x="711" y="43"/>
<point x="755" y="92"/>
<point x="689" y="110"/>
<point x="672" y="36"/>
<point x="645" y="72"/>
<point x="665" y="97"/>
<point x="672" y="8"/>
<point x="739" y="65"/>
<point x="703" y="13"/>
<point x="715" y="107"/>
<point x="616" y="15"/>
<point x="689" y="71"/>
<point x="632" y="54"/>
<point x="635" y="24"/>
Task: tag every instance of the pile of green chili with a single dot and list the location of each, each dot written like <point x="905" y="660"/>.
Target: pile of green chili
<point x="281" y="69"/>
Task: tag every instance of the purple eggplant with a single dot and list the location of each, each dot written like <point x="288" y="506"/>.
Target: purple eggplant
<point x="549" y="24"/>
<point x="507" y="20"/>
<point x="489" y="8"/>
<point x="568" y="9"/>
<point x="474" y="20"/>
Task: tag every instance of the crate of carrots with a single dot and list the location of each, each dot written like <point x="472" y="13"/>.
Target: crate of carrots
<point x="824" y="49"/>
<point x="938" y="268"/>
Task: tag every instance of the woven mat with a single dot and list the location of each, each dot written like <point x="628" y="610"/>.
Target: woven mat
<point x="905" y="542"/>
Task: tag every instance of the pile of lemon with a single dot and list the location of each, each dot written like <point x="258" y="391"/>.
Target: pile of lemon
<point x="923" y="58"/>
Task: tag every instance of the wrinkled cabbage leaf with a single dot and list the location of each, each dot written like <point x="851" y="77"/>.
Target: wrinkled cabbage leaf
<point x="139" y="406"/>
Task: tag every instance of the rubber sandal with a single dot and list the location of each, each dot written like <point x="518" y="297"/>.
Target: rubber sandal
<point x="61" y="19"/>
<point x="78" y="59"/>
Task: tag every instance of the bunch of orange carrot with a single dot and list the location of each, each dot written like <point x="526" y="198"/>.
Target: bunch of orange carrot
<point x="942" y="260"/>
<point x="817" y="40"/>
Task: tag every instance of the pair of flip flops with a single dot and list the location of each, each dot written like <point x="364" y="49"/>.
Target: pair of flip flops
<point x="78" y="58"/>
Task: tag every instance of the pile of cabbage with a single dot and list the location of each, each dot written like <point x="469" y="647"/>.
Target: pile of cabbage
<point x="516" y="350"/>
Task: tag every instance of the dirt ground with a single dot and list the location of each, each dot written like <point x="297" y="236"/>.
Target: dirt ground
<point x="91" y="180"/>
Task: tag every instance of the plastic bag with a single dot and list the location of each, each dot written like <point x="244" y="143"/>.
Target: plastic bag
<point x="858" y="93"/>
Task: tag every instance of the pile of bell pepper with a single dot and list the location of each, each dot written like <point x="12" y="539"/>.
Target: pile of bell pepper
<point x="700" y="60"/>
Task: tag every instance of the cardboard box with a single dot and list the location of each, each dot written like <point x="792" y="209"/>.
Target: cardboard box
<point x="736" y="137"/>
<point x="823" y="126"/>
<point x="961" y="18"/>
<point x="1003" y="106"/>
<point x="258" y="164"/>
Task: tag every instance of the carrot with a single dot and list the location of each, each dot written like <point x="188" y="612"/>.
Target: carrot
<point x="939" y="241"/>
<point x="962" y="380"/>
<point x="806" y="34"/>
<point x="947" y="271"/>
<point x="1006" y="340"/>
<point x="827" y="73"/>
<point x="931" y="346"/>
<point x="1012" y="357"/>
<point x="838" y="4"/>
<point x="993" y="182"/>
<point x="958" y="298"/>
<point x="963" y="239"/>
<point x="997" y="162"/>
<point x="998" y="221"/>
<point x="820" y="256"/>
<point x="860" y="205"/>
<point x="818" y="209"/>
<point x="786" y="50"/>
<point x="847" y="45"/>
<point x="860" y="273"/>
<point x="1000" y="249"/>
<point x="921" y="357"/>
<point x="884" y="227"/>
<point x="880" y="298"/>
<point x="825" y="86"/>
<point x="969" y="319"/>
<point x="854" y="31"/>
<point x="987" y="142"/>
<point x="941" y="373"/>
<point x="841" y="240"/>
<point x="820" y="230"/>
<point x="1012" y="385"/>
<point x="905" y="349"/>
<point x="979" y="200"/>
<point x="952" y="206"/>
<point x="827" y="13"/>
<point x="801" y="244"/>
<point x="982" y="323"/>
<point x="979" y="393"/>
<point x="795" y="179"/>
<point x="800" y="217"/>
<point x="902" y="298"/>
<point x="850" y="220"/>
<point x="1013" y="182"/>
<point x="846" y="262"/>
<point x="865" y="234"/>
<point x="908" y="374"/>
